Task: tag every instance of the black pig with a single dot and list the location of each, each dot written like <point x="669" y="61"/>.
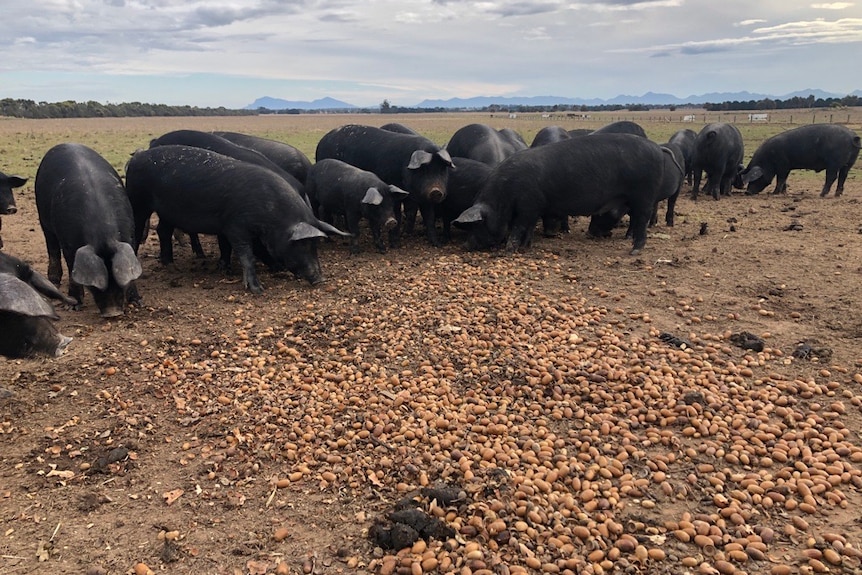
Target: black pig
<point x="483" y="144"/>
<point x="598" y="174"/>
<point x="413" y="163"/>
<point x="7" y="198"/>
<point x="337" y="188"/>
<point x="85" y="215"/>
<point x="817" y="147"/>
<point x="718" y="151"/>
<point x="26" y="326"/>
<point x="285" y="156"/>
<point x="200" y="191"/>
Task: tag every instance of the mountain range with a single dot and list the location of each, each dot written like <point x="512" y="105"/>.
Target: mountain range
<point x="648" y="99"/>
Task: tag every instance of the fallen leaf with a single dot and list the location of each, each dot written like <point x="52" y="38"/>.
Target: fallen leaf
<point x="257" y="567"/>
<point x="61" y="474"/>
<point x="373" y="478"/>
<point x="173" y="495"/>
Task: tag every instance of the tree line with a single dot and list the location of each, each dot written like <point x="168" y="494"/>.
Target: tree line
<point x="71" y="109"/>
<point x="795" y="103"/>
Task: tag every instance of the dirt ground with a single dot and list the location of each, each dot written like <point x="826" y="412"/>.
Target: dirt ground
<point x="188" y="433"/>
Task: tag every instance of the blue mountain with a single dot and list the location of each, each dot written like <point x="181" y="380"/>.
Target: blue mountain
<point x="279" y="104"/>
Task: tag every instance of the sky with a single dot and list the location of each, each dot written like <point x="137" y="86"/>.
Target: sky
<point x="212" y="53"/>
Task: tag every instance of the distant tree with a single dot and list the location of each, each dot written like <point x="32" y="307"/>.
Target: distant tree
<point x="385" y="107"/>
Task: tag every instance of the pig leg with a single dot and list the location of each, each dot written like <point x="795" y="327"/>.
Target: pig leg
<point x="197" y="248"/>
<point x="781" y="183"/>
<point x="653" y="220"/>
<point x="224" y="249"/>
<point x="639" y="222"/>
<point x="351" y="218"/>
<point x="165" y="231"/>
<point x="395" y="231"/>
<point x="831" y="175"/>
<point x="842" y="175"/>
<point x="427" y="211"/>
<point x="726" y="184"/>
<point x="246" y="259"/>
<point x="695" y="189"/>
<point x="76" y="290"/>
<point x="326" y="215"/>
<point x="410" y="210"/>
<point x="671" y="206"/>
<point x="55" y="263"/>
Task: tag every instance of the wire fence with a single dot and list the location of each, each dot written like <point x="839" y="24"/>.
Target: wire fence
<point x="796" y="117"/>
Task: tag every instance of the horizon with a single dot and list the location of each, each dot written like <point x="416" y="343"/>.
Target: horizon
<point x="691" y="100"/>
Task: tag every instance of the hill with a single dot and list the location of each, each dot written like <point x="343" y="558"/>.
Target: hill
<point x="279" y="104"/>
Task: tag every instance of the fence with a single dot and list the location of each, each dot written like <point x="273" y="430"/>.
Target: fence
<point x="797" y="117"/>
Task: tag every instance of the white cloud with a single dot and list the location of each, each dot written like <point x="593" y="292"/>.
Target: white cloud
<point x="833" y="6"/>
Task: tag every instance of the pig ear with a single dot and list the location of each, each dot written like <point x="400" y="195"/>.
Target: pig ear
<point x="398" y="192"/>
<point x="330" y="229"/>
<point x="89" y="269"/>
<point x="304" y="231"/>
<point x="18" y="297"/>
<point x="444" y="155"/>
<point x="418" y="159"/>
<point x="471" y="215"/>
<point x="373" y="197"/>
<point x="125" y="264"/>
<point x="752" y="174"/>
<point x="16" y="181"/>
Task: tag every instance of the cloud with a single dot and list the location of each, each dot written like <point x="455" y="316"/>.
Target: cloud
<point x="751" y="22"/>
<point x="845" y="30"/>
<point x="524" y="8"/>
<point x="538" y="33"/>
<point x="342" y="17"/>
<point x="625" y="5"/>
<point x="833" y="6"/>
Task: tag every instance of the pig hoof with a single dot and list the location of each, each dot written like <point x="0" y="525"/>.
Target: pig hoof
<point x="636" y="251"/>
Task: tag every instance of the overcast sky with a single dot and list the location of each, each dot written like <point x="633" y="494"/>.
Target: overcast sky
<point x="228" y="53"/>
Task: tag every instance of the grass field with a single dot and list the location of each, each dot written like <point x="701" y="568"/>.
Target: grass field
<point x="23" y="141"/>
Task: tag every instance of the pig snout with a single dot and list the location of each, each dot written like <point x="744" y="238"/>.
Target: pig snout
<point x="390" y="224"/>
<point x="61" y="345"/>
<point x="312" y="273"/>
<point x="10" y="210"/>
<point x="436" y="195"/>
<point x="111" y="312"/>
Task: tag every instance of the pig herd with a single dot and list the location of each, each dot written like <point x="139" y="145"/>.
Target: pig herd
<point x="267" y="202"/>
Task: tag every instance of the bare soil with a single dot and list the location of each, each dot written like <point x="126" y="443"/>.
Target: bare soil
<point x="160" y="437"/>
